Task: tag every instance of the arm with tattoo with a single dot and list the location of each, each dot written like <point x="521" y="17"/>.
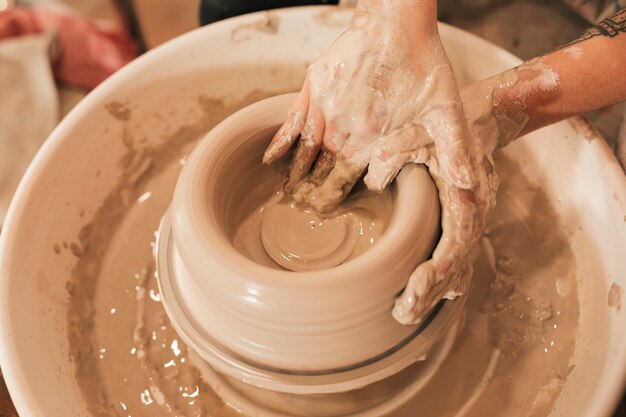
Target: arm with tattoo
<point x="584" y="75"/>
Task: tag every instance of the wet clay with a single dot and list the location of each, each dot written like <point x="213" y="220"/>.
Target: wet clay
<point x="128" y="358"/>
<point x="270" y="24"/>
<point x="278" y="233"/>
<point x="511" y="358"/>
<point x="615" y="297"/>
<point x="409" y="129"/>
<point x="341" y="320"/>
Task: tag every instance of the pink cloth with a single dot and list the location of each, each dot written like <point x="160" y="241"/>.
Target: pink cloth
<point x="90" y="52"/>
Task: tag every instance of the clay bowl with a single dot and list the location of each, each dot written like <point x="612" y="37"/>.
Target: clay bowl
<point x="346" y="336"/>
<point x="232" y="59"/>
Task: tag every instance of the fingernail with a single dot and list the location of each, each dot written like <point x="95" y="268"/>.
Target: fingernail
<point x="270" y="152"/>
<point x="374" y="182"/>
<point x="268" y="156"/>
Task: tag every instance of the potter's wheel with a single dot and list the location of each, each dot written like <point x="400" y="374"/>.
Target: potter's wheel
<point x="196" y="90"/>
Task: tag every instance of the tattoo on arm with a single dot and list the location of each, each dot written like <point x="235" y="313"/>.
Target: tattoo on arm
<point x="609" y="27"/>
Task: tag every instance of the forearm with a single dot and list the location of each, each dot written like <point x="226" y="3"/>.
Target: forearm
<point x="591" y="75"/>
<point x="587" y="74"/>
<point x="411" y="15"/>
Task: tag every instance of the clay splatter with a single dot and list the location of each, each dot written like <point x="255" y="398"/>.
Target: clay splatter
<point x="615" y="297"/>
<point x="118" y="110"/>
<point x="269" y="24"/>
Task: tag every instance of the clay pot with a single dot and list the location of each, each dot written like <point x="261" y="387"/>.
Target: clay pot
<point x="301" y="332"/>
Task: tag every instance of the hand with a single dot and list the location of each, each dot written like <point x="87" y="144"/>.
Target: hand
<point x="383" y="95"/>
<point x="497" y="111"/>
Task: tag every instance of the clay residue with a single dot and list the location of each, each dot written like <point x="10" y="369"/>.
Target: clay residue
<point x="615" y="297"/>
<point x="331" y="17"/>
<point x="98" y="238"/>
<point x="574" y="51"/>
<point x="584" y="128"/>
<point x="533" y="262"/>
<point x="512" y="358"/>
<point x="270" y="24"/>
<point x="119" y="110"/>
<point x="515" y="353"/>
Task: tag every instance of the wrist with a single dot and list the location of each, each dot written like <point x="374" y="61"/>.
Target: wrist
<point x="407" y="15"/>
<point x="493" y="113"/>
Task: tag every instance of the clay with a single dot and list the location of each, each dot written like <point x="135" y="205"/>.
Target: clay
<point x="270" y="24"/>
<point x="615" y="297"/>
<point x="130" y="361"/>
<point x="341" y="314"/>
<point x="119" y="110"/>
<point x="120" y="358"/>
<point x="300" y="239"/>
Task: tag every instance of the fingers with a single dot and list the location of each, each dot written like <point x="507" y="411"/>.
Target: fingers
<point x="447" y="273"/>
<point x="323" y="166"/>
<point x="426" y="287"/>
<point x="393" y="151"/>
<point x="326" y="196"/>
<point x="412" y="306"/>
<point x="308" y="147"/>
<point x="334" y="139"/>
<point x="290" y="130"/>
<point x="453" y="145"/>
<point x="332" y="143"/>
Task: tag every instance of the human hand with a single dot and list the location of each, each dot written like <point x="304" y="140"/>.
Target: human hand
<point x="393" y="120"/>
<point x="383" y="95"/>
<point x="499" y="109"/>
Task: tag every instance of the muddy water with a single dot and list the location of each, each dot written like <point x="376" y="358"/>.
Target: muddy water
<point x="511" y="358"/>
<point x="515" y="351"/>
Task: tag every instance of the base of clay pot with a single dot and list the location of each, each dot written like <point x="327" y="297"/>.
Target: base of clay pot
<point x="374" y="400"/>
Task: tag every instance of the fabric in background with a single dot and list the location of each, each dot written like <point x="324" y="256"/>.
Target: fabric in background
<point x="29" y="107"/>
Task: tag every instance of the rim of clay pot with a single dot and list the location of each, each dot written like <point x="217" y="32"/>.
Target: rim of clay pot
<point x="186" y="221"/>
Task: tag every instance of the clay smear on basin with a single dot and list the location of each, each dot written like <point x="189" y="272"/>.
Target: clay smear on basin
<point x="615" y="297"/>
<point x="130" y="361"/>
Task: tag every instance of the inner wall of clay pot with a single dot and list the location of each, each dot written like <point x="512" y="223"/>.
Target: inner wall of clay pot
<point x="244" y="186"/>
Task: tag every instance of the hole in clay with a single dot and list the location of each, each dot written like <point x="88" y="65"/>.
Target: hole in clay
<point x="267" y="227"/>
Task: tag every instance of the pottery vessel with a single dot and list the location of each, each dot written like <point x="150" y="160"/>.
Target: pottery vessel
<point x="346" y="336"/>
<point x="568" y="160"/>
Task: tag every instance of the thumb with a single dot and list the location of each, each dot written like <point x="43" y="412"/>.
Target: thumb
<point x="416" y="301"/>
<point x="391" y="152"/>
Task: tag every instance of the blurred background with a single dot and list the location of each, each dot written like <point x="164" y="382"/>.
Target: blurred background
<point x="53" y="52"/>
